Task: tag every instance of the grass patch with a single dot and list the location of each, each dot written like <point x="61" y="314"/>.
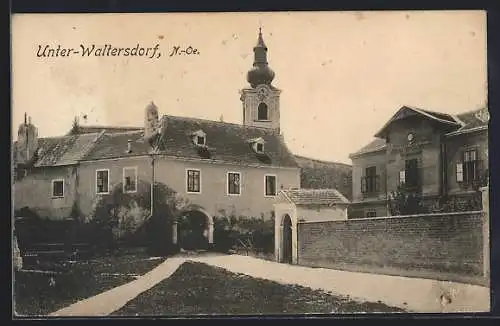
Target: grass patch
<point x="38" y="294"/>
<point x="197" y="288"/>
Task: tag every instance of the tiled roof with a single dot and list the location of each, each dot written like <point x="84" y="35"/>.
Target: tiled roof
<point x="323" y="197"/>
<point x="318" y="174"/>
<point x="94" y="129"/>
<point x="473" y="119"/>
<point x="406" y="111"/>
<point x="465" y="122"/>
<point x="65" y="150"/>
<point x="374" y="146"/>
<point x="224" y="142"/>
<point x="115" y="144"/>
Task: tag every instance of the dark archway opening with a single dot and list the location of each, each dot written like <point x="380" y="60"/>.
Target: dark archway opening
<point x="287" y="240"/>
<point x="262" y="112"/>
<point x="193" y="231"/>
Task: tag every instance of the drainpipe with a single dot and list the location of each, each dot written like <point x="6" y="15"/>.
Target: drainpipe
<point x="387" y="159"/>
<point x="443" y="185"/>
<point x="152" y="184"/>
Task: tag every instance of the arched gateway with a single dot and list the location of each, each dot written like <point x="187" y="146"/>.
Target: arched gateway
<point x="193" y="230"/>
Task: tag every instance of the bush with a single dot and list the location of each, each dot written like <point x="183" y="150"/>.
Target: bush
<point x="123" y="219"/>
<point x="405" y="202"/>
<point x="256" y="233"/>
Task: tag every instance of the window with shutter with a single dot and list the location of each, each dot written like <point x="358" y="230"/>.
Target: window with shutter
<point x="470" y="166"/>
<point x="402" y="177"/>
<point x="363" y="185"/>
<point x="460" y="172"/>
<point x="370" y="179"/>
<point x="411" y="172"/>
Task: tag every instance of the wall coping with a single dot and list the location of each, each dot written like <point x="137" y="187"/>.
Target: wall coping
<point x="413" y="216"/>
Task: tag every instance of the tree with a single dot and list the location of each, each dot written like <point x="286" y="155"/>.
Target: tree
<point x="124" y="218"/>
<point x="75" y="128"/>
<point x="405" y="202"/>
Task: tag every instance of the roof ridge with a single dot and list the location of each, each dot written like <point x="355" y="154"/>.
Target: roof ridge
<point x="271" y="131"/>
<point x="473" y="110"/>
<point x="69" y="135"/>
<point x="319" y="160"/>
<point x="121" y="133"/>
<point x="110" y="126"/>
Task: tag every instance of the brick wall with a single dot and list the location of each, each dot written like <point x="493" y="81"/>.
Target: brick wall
<point x="437" y="243"/>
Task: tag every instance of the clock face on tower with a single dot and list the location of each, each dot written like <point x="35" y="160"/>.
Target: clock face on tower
<point x="262" y="92"/>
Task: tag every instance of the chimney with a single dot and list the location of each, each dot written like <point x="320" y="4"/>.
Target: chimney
<point x="151" y="122"/>
<point x="129" y="146"/>
<point x="27" y="141"/>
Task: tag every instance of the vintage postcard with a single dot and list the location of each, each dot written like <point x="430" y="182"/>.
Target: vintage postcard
<point x="250" y="163"/>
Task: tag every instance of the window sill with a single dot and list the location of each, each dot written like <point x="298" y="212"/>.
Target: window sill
<point x="102" y="193"/>
<point x="371" y="193"/>
<point x="234" y="194"/>
<point x="262" y="120"/>
<point x="193" y="192"/>
<point x="57" y="197"/>
<point x="129" y="191"/>
<point x="270" y="196"/>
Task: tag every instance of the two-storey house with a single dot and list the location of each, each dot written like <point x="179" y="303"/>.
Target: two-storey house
<point x="435" y="155"/>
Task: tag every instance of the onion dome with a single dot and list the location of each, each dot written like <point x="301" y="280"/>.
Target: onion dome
<point x="260" y="73"/>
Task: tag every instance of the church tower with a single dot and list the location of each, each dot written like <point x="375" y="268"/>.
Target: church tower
<point x="261" y="105"/>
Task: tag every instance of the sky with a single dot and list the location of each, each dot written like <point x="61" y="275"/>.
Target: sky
<point x="342" y="74"/>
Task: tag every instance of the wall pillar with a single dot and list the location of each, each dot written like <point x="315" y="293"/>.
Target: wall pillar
<point x="174" y="232"/>
<point x="210" y="232"/>
<point x="486" y="231"/>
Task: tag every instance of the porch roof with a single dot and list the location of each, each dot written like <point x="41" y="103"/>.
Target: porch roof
<point x="322" y="197"/>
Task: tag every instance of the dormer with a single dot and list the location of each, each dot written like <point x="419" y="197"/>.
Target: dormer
<point x="199" y="138"/>
<point x="258" y="145"/>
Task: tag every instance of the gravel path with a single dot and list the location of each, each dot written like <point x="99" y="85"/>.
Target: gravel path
<point x="412" y="294"/>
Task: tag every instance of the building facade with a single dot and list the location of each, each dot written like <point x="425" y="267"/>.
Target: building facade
<point x="218" y="167"/>
<point x="434" y="155"/>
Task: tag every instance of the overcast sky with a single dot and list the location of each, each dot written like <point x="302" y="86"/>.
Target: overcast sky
<point x="343" y="74"/>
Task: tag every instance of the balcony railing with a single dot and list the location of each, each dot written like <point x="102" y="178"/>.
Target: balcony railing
<point x="370" y="184"/>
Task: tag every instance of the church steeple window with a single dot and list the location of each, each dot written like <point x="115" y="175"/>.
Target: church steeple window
<point x="262" y="113"/>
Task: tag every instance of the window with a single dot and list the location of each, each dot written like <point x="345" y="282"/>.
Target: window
<point x="102" y="181"/>
<point x="260" y="147"/>
<point x="468" y="171"/>
<point x="270" y="185"/>
<point x="130" y="179"/>
<point x="460" y="172"/>
<point x="57" y="188"/>
<point x="402" y="177"/>
<point x="193" y="181"/>
<point x="370" y="183"/>
<point x="411" y="173"/>
<point x="262" y="111"/>
<point x="199" y="138"/>
<point x="233" y="183"/>
<point x="371" y="214"/>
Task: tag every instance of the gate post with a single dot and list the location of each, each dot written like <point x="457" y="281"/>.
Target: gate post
<point x="486" y="232"/>
<point x="210" y="231"/>
<point x="174" y="232"/>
